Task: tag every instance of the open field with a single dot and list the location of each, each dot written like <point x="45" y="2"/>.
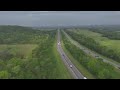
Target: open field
<point x="24" y="49"/>
<point x="96" y="42"/>
<point x="114" y="44"/>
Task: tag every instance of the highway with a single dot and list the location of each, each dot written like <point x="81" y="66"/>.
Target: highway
<point x="91" y="53"/>
<point x="73" y="70"/>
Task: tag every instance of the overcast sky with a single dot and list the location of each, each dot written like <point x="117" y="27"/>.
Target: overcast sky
<point x="39" y="18"/>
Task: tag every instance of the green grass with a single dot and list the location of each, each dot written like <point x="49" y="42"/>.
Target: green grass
<point x="84" y="71"/>
<point x="114" y="44"/>
<point x="24" y="49"/>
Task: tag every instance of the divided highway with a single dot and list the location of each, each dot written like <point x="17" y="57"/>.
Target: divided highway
<point x="89" y="52"/>
<point x="73" y="70"/>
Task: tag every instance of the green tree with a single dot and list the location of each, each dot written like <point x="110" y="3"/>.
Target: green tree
<point x="4" y="74"/>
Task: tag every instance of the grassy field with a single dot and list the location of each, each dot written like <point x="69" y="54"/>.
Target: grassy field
<point x="113" y="44"/>
<point x="95" y="41"/>
<point x="89" y="65"/>
<point x="23" y="49"/>
<point x="104" y="41"/>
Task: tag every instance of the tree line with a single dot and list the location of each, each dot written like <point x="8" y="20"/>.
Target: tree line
<point x="109" y="32"/>
<point x="42" y="63"/>
<point x="93" y="45"/>
<point x="21" y="35"/>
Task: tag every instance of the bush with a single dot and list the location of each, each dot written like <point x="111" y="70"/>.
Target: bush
<point x="4" y="75"/>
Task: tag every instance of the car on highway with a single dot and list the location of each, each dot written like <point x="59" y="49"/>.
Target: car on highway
<point x="58" y="43"/>
<point x="85" y="78"/>
<point x="70" y="66"/>
<point x="97" y="56"/>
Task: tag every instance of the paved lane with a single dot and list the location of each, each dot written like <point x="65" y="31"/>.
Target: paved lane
<point x="73" y="70"/>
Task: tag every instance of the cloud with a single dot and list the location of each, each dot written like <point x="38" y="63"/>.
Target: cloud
<point x="37" y="18"/>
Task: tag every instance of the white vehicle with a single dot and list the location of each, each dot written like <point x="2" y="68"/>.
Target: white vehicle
<point x="70" y="66"/>
<point x="85" y="78"/>
<point x="58" y="43"/>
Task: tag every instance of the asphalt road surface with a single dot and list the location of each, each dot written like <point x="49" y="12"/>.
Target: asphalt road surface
<point x="73" y="70"/>
<point x="89" y="52"/>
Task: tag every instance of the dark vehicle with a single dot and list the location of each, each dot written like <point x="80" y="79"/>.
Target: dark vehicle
<point x="97" y="56"/>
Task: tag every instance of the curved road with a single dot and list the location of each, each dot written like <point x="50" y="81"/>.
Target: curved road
<point x="73" y="70"/>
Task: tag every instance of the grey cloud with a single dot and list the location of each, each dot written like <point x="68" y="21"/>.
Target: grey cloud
<point x="38" y="18"/>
